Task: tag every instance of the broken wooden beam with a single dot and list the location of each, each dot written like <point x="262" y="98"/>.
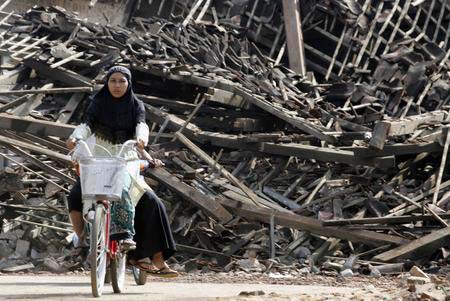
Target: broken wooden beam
<point x="205" y="157"/>
<point x="47" y="168"/>
<point x="59" y="74"/>
<point x="294" y="36"/>
<point x="417" y="248"/>
<point x="405" y="219"/>
<point x="48" y="91"/>
<point x="15" y="103"/>
<point x="396" y="149"/>
<point x="36" y="127"/>
<point x="308" y="224"/>
<point x="409" y="124"/>
<point x="206" y="203"/>
<point x="325" y="154"/>
<point x="37" y="149"/>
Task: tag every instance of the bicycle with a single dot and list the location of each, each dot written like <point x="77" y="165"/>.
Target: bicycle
<point x="140" y="276"/>
<point x="102" y="181"/>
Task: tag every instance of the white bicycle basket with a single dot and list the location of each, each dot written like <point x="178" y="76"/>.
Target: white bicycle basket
<point x="102" y="177"/>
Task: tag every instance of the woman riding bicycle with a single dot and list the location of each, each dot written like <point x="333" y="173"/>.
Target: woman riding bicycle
<point x="114" y="116"/>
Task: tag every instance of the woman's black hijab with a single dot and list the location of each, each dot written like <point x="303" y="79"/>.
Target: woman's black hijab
<point x="115" y="120"/>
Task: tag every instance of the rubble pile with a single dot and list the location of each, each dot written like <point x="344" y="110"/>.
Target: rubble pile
<point x="267" y="170"/>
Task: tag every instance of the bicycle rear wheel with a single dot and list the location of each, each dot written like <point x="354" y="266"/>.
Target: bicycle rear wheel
<point x="98" y="250"/>
<point x="140" y="276"/>
<point x="117" y="268"/>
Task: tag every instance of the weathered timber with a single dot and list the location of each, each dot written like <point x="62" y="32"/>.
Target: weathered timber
<point x="291" y="118"/>
<point x="380" y="133"/>
<point x="47" y="168"/>
<point x="446" y="132"/>
<point x="309" y="224"/>
<point x="324" y="154"/>
<point x="405" y="219"/>
<point x="225" y="97"/>
<point x="34" y="126"/>
<point x="45" y="226"/>
<point x="419" y="206"/>
<point x="46" y="141"/>
<point x="48" y="91"/>
<point x="294" y="36"/>
<point x="205" y="157"/>
<point x="396" y="149"/>
<point x="37" y="149"/>
<point x="206" y="203"/>
<point x="34" y="172"/>
<point x="417" y="248"/>
<point x="15" y="103"/>
<point x="66" y="60"/>
<point x="280" y="198"/>
<point x="34" y="101"/>
<point x="195" y="250"/>
<point x="237" y="194"/>
<point x="68" y="110"/>
<point x="59" y="74"/>
<point x="409" y="124"/>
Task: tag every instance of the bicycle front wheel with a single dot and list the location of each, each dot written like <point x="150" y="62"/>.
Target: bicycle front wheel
<point x="117" y="267"/>
<point x="98" y="250"/>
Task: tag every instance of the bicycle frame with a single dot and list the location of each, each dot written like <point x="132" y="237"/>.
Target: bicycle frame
<point x="112" y="245"/>
<point x="106" y="252"/>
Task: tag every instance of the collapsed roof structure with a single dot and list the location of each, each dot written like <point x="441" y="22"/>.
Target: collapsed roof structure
<point x="289" y="130"/>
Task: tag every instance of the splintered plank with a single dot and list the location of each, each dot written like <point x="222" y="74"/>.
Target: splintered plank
<point x="324" y="154"/>
<point x="49" y="169"/>
<point x="35" y="148"/>
<point x="290" y="117"/>
<point x="405" y="219"/>
<point x="36" y="127"/>
<point x="409" y="124"/>
<point x="34" y="101"/>
<point x="294" y="36"/>
<point x="207" y="203"/>
<point x="15" y="103"/>
<point x="308" y="224"/>
<point x="417" y="248"/>
<point x="68" y="110"/>
<point x="379" y="135"/>
<point x="59" y="74"/>
<point x="18" y="268"/>
<point x="396" y="149"/>
<point x="48" y="91"/>
<point x="205" y="157"/>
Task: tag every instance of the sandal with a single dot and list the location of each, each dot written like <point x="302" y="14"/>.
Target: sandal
<point x="164" y="272"/>
<point x="143" y="265"/>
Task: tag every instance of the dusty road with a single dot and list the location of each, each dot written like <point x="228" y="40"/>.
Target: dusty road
<point x="72" y="287"/>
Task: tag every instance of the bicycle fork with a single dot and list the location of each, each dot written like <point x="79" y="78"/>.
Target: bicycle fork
<point x="89" y="207"/>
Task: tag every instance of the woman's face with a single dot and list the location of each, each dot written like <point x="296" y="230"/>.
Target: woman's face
<point x="117" y="84"/>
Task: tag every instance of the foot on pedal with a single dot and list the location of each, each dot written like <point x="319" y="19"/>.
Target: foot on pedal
<point x="128" y="244"/>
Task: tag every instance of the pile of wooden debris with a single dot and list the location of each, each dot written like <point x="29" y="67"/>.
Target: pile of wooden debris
<point x="266" y="168"/>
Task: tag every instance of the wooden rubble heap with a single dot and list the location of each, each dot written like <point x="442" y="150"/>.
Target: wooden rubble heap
<point x="266" y="170"/>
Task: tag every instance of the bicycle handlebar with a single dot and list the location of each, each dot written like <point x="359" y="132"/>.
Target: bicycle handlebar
<point x="126" y="144"/>
<point x="88" y="151"/>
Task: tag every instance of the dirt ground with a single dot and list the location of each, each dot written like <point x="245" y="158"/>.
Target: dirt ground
<point x="210" y="286"/>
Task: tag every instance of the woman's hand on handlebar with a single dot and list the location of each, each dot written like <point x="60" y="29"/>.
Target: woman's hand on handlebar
<point x="156" y="163"/>
<point x="71" y="143"/>
<point x="140" y="144"/>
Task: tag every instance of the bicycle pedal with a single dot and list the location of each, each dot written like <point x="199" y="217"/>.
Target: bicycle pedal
<point x="127" y="247"/>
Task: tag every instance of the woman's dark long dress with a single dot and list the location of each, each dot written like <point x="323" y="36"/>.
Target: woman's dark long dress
<point x="152" y="228"/>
